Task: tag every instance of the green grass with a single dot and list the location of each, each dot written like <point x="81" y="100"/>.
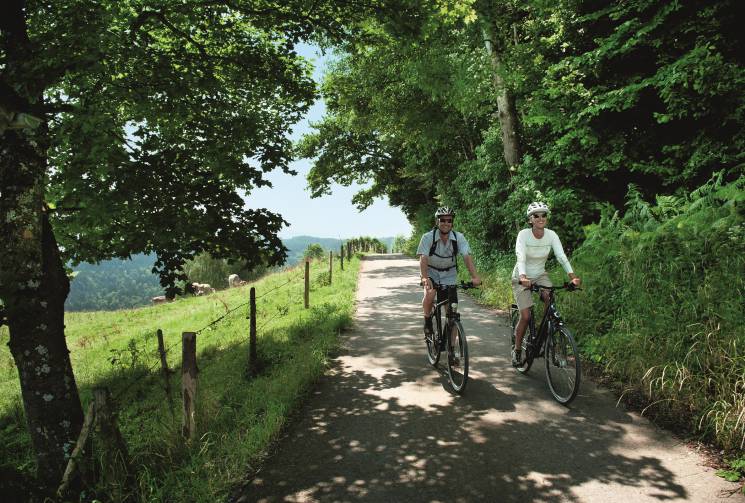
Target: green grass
<point x="237" y="418"/>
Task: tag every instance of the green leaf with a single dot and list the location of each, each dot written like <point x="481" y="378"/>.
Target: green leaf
<point x="729" y="475"/>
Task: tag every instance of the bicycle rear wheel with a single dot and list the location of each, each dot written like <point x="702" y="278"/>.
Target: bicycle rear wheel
<point x="433" y="343"/>
<point x="563" y="370"/>
<point x="514" y="318"/>
<point x="457" y="358"/>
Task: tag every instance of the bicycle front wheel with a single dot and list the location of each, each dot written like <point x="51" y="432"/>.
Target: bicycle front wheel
<point x="457" y="357"/>
<point x="562" y="365"/>
<point x="433" y="346"/>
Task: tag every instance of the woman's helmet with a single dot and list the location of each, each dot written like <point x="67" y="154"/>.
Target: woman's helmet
<point x="537" y="207"/>
<point x="444" y="210"/>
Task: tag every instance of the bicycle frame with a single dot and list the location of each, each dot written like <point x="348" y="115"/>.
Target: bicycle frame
<point x="550" y="321"/>
<point x="451" y="310"/>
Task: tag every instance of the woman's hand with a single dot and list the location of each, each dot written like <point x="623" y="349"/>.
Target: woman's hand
<point x="475" y="280"/>
<point x="576" y="281"/>
<point x="524" y="281"/>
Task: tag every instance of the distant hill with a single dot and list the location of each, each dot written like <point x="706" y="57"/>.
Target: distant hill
<point x="298" y="244"/>
<point x="113" y="284"/>
<point x="123" y="284"/>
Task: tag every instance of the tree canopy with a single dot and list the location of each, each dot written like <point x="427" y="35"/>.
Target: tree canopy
<point x="605" y="94"/>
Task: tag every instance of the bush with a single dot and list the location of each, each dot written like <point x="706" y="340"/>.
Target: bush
<point x="314" y="251"/>
<point x="662" y="305"/>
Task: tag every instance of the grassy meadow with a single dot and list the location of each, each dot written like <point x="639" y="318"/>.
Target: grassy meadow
<point x="237" y="418"/>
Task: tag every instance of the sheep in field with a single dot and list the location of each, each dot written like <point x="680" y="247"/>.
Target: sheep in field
<point x="202" y="288"/>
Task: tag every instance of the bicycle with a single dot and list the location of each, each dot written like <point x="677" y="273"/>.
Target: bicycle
<point x="552" y="341"/>
<point x="455" y="345"/>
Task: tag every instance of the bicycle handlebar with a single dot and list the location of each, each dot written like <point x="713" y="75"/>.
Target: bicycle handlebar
<point x="566" y="286"/>
<point x="463" y="285"/>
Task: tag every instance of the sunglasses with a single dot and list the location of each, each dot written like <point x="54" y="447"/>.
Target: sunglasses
<point x="539" y="215"/>
<point x="446" y="220"/>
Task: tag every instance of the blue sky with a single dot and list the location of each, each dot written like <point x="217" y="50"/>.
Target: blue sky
<point x="332" y="216"/>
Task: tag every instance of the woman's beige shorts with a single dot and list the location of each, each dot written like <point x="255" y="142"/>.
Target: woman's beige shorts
<point x="523" y="296"/>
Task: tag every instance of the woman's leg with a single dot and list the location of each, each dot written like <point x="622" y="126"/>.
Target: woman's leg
<point x="521" y="327"/>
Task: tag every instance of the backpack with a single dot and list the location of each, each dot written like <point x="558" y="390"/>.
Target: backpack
<point x="455" y="250"/>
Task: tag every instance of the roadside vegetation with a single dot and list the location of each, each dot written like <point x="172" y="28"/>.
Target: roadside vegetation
<point x="237" y="417"/>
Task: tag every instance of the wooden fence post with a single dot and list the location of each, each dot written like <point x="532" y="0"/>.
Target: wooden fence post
<point x="349" y="250"/>
<point x="341" y="256"/>
<point x="307" y="284"/>
<point x="165" y="370"/>
<point x="189" y="383"/>
<point x="252" y="333"/>
<point x="117" y="473"/>
<point x="331" y="265"/>
<point x="77" y="453"/>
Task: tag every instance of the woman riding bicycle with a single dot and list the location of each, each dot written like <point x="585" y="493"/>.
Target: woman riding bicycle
<point x="532" y="248"/>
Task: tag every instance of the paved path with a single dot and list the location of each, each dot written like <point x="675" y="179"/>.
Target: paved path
<point x="384" y="427"/>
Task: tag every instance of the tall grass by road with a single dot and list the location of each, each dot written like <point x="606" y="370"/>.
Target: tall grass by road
<point x="237" y="417"/>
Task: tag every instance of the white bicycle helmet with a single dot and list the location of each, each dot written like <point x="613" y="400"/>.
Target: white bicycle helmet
<point x="444" y="210"/>
<point x="537" y="207"/>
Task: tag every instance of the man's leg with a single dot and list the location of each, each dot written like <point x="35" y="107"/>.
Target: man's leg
<point x="427" y="303"/>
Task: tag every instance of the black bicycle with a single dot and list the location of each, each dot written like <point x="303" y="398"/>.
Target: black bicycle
<point x="552" y="341"/>
<point x="456" y="345"/>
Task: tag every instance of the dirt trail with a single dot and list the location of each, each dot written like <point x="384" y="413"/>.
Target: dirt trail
<point x="382" y="426"/>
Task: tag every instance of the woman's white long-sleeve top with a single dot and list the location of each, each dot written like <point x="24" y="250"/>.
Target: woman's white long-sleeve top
<point x="532" y="253"/>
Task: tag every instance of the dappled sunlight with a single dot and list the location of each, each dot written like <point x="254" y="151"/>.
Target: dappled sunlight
<point x="384" y="426"/>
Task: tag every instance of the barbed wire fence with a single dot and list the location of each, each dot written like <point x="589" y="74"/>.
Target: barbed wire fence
<point x="100" y="410"/>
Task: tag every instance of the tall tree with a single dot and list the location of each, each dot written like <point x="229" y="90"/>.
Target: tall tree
<point x="401" y="115"/>
<point x="127" y="127"/>
<point x="496" y="37"/>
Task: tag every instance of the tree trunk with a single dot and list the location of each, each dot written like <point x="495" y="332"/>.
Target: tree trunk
<point x="33" y="283"/>
<point x="508" y="121"/>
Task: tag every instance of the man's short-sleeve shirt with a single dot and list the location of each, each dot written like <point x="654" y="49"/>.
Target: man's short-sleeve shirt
<point x="443" y="256"/>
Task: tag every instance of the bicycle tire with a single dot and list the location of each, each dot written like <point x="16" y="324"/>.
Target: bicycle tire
<point x="457" y="358"/>
<point x="433" y="349"/>
<point x="514" y="318"/>
<point x="563" y="367"/>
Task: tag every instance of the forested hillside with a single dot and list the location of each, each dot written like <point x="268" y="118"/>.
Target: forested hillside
<point x="122" y="284"/>
<point x="113" y="284"/>
<point x="627" y="118"/>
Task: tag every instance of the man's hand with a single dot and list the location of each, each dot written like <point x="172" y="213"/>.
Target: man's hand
<point x="426" y="283"/>
<point x="475" y="280"/>
<point x="524" y="281"/>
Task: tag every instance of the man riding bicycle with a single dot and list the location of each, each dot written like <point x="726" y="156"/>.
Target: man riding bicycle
<point x="438" y="251"/>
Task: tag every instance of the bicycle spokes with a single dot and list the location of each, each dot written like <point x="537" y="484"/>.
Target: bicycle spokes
<point x="562" y="365"/>
<point x="457" y="358"/>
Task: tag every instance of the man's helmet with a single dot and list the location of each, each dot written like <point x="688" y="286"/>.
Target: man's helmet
<point x="537" y="207"/>
<point x="444" y="210"/>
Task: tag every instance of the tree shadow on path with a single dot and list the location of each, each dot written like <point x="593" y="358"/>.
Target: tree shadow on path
<point x="383" y="426"/>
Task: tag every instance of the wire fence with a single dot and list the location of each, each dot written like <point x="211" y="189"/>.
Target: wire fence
<point x="283" y="310"/>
